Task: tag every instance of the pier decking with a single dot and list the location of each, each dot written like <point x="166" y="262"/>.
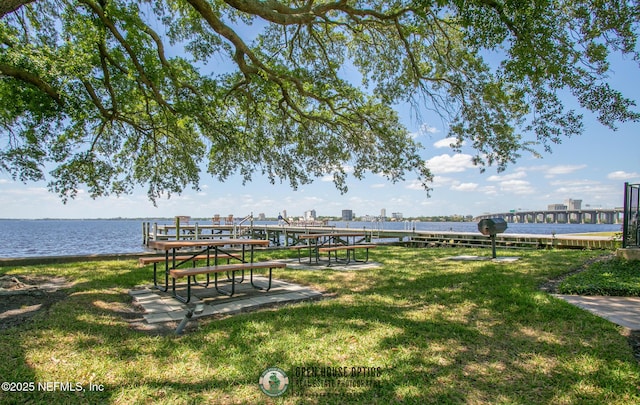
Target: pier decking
<point x="513" y="241"/>
<point x="283" y="236"/>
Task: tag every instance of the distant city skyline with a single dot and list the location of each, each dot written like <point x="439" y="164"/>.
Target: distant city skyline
<point x="569" y="203"/>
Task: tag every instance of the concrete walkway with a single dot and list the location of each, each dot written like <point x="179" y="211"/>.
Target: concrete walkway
<point x="322" y="266"/>
<point x="623" y="311"/>
<point x="162" y="307"/>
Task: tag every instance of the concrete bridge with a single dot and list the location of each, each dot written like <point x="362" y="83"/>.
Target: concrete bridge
<point x="582" y="216"/>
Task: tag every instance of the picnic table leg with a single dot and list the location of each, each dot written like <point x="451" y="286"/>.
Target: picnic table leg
<point x="262" y="288"/>
<point x="299" y="256"/>
<point x="233" y="284"/>
<point x="366" y="259"/>
<point x="195" y="281"/>
<point x="155" y="279"/>
<point x="329" y="262"/>
<point x="178" y="296"/>
<point x="244" y="261"/>
<point x="317" y="253"/>
<point x="166" y="273"/>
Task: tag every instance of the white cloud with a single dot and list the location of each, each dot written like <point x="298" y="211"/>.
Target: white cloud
<point x="572" y="183"/>
<point x="425" y="129"/>
<point x="329" y="177"/>
<point x="428" y="129"/>
<point x="586" y="189"/>
<point x="415" y="185"/>
<point x="517" y="175"/>
<point x="438" y="182"/>
<point x="563" y="169"/>
<point x="589" y="191"/>
<point x="621" y="175"/>
<point x="450" y="163"/>
<point x="516" y="187"/>
<point x="444" y="143"/>
<point x="443" y="181"/>
<point x="27" y="191"/>
<point x="465" y="187"/>
<point x="489" y="190"/>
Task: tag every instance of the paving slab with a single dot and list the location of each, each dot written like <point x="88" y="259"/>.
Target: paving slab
<point x="162" y="307"/>
<point x="507" y="259"/>
<point x="623" y="311"/>
<point x="324" y="266"/>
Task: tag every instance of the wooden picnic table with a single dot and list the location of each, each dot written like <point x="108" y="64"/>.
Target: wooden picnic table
<point x="334" y="241"/>
<point x="212" y="250"/>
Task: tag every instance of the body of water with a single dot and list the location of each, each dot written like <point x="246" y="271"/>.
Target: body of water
<point x="55" y="237"/>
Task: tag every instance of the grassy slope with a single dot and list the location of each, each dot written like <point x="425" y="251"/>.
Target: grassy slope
<point x="440" y="331"/>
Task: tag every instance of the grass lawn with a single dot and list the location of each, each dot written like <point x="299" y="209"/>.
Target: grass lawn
<point x="616" y="277"/>
<point x="419" y="329"/>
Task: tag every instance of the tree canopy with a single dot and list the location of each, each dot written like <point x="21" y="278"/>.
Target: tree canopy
<point x="114" y="94"/>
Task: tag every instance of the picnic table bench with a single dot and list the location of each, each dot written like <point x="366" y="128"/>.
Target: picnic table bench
<point x="330" y="242"/>
<point x="190" y="273"/>
<point x="143" y="261"/>
<point x="351" y="250"/>
<point x="212" y="250"/>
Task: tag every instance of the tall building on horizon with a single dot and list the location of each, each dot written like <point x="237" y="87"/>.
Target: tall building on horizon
<point x="574" y="204"/>
<point x="347" y="215"/>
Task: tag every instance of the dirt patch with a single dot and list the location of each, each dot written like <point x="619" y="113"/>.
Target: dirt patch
<point x="22" y="297"/>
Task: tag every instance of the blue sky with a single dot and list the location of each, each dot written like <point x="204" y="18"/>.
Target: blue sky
<point x="592" y="167"/>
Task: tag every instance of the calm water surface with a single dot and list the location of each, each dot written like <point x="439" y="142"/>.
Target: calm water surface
<point x="54" y="237"/>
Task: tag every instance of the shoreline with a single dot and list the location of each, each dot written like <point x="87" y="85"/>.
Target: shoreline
<point x="36" y="260"/>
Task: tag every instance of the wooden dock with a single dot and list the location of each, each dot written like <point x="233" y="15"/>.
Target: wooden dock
<point x="513" y="241"/>
<point x="283" y="236"/>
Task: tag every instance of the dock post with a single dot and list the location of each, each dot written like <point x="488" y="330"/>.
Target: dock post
<point x="177" y="222"/>
<point x="197" y="230"/>
<point x="144" y="234"/>
<point x="251" y="233"/>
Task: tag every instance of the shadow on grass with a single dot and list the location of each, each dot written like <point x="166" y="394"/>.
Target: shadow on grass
<point x="433" y="331"/>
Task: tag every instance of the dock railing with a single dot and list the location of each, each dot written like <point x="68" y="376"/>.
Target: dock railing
<point x="237" y="227"/>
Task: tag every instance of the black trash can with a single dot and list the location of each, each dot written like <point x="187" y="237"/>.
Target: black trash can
<point x="491" y="227"/>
